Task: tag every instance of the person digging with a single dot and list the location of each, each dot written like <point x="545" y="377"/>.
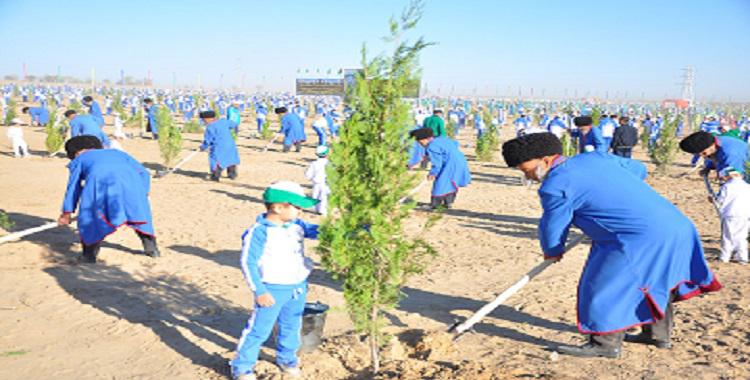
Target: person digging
<point x="645" y="254"/>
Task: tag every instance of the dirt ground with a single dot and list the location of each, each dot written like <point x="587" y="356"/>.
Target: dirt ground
<point x="179" y="316"/>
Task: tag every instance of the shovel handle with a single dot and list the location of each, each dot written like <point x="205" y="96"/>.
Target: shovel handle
<point x="26" y="232"/>
<point x="488" y="308"/>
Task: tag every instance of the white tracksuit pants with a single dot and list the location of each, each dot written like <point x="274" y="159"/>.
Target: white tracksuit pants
<point x="734" y="238"/>
<point x="320" y="192"/>
<point x="20" y="148"/>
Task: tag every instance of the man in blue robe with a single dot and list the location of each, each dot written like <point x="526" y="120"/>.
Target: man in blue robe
<point x="589" y="137"/>
<point x="94" y="110"/>
<point x="449" y="169"/>
<point x="719" y="152"/>
<point x="152" y="124"/>
<point x="39" y="115"/>
<point x="645" y="254"/>
<point x="260" y="115"/>
<point x="110" y="189"/>
<point x="222" y="149"/>
<point x="85" y="125"/>
<point x="292" y="128"/>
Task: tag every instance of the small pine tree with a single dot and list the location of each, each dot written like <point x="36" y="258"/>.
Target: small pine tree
<point x="450" y="128"/>
<point x="265" y="131"/>
<point x="135" y="120"/>
<point x="5" y="222"/>
<point x="596" y="115"/>
<point x="569" y="148"/>
<point x="482" y="149"/>
<point x="76" y="106"/>
<point x="117" y="106"/>
<point x="664" y="150"/>
<point x="170" y="138"/>
<point x="191" y="126"/>
<point x="646" y="138"/>
<point x="10" y="112"/>
<point x="363" y="244"/>
<point x="489" y="142"/>
<point x="55" y="133"/>
<point x="493" y="134"/>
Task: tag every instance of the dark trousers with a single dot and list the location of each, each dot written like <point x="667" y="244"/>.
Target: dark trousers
<point x="297" y="147"/>
<point x="443" y="200"/>
<point x="149" y="246"/>
<point x="611" y="341"/>
<point x="231" y="172"/>
<point x="660" y="331"/>
<point x="623" y="151"/>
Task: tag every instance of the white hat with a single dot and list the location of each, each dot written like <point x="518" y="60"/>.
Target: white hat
<point x="321" y="151"/>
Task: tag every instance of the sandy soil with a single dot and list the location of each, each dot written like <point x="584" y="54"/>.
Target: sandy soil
<point x="179" y="316"/>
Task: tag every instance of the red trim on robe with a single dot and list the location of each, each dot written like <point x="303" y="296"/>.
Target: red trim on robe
<point x="653" y="307"/>
<point x="451" y="192"/>
<point x="115" y="228"/>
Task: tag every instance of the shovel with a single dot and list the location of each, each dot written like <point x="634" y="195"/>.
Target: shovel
<point x="27" y="232"/>
<point x="162" y="173"/>
<point x="460" y="328"/>
<point x="273" y="140"/>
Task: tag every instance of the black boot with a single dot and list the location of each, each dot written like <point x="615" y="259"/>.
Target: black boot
<point x="232" y="172"/>
<point x="449" y="199"/>
<point x="645" y="338"/>
<point x="602" y="346"/>
<point x="149" y="245"/>
<point x="216" y="175"/>
<point x="659" y="333"/>
<point x="89" y="253"/>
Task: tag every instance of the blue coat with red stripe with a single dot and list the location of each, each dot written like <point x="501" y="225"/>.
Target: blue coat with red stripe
<point x="293" y="129"/>
<point x="642" y="248"/>
<point x="223" y="149"/>
<point x="112" y="189"/>
<point x="448" y="166"/>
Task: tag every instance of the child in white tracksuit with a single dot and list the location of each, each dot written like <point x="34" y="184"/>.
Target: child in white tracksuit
<point x="316" y="173"/>
<point x="274" y="264"/>
<point x="119" y="134"/>
<point x="733" y="201"/>
<point x="15" y="134"/>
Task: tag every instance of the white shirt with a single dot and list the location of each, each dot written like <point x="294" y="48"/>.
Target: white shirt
<point x="734" y="199"/>
<point x="316" y="172"/>
<point x="15" y="134"/>
<point x="320" y="122"/>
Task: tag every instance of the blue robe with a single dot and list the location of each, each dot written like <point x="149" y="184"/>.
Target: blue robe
<point x="593" y="138"/>
<point x="448" y="166"/>
<point x="96" y="112"/>
<point x="87" y="125"/>
<point x="39" y="115"/>
<point x="730" y="151"/>
<point x="112" y="189"/>
<point x="152" y="111"/>
<point x="223" y="152"/>
<point x="642" y="248"/>
<point x="293" y="129"/>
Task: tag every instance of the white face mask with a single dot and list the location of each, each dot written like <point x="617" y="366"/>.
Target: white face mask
<point x="540" y="173"/>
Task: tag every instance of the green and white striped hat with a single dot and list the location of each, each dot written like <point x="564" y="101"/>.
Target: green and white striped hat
<point x="288" y="192"/>
<point x="321" y="151"/>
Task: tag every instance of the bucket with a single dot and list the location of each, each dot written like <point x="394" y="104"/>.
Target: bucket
<point x="313" y="322"/>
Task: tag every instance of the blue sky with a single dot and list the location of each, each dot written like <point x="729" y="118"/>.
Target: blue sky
<point x="599" y="48"/>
